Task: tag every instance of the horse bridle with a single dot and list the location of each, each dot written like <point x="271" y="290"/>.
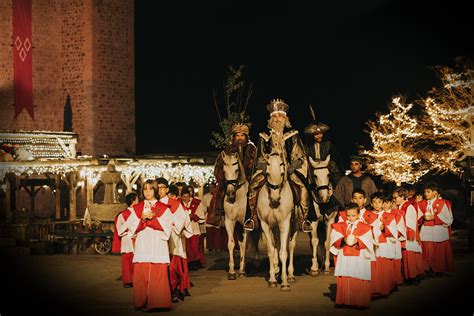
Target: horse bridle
<point x="323" y="187"/>
<point x="276" y="186"/>
<point x="235" y="182"/>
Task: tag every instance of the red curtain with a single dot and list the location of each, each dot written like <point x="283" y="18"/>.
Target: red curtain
<point x="22" y="57"/>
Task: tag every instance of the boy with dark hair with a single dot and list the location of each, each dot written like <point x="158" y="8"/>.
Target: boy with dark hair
<point x="178" y="268"/>
<point x="412" y="253"/>
<point x="435" y="231"/>
<point x="173" y="191"/>
<point x="196" y="212"/>
<point x="359" y="197"/>
<point x="122" y="242"/>
<point x="352" y="245"/>
<point x="385" y="231"/>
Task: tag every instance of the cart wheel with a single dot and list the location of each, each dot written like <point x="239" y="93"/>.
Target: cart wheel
<point x="104" y="246"/>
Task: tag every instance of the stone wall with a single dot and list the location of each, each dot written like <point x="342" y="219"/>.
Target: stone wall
<point x="84" y="49"/>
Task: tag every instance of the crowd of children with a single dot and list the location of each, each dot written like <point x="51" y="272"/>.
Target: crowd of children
<point x="159" y="240"/>
<point x="396" y="240"/>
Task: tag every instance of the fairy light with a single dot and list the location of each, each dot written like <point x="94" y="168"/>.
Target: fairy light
<point x="173" y="172"/>
<point x="42" y="144"/>
<point x="448" y="119"/>
<point x="37" y="168"/>
<point x="405" y="148"/>
<point x="393" y="134"/>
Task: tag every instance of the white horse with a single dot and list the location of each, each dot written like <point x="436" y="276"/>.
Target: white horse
<point x="274" y="207"/>
<point x="235" y="205"/>
<point x="323" y="198"/>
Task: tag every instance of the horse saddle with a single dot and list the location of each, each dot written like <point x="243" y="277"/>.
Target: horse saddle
<point x="296" y="190"/>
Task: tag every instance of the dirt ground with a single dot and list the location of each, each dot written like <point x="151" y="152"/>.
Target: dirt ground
<point x="86" y="284"/>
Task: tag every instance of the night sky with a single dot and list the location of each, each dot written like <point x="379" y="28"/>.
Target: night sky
<point x="348" y="60"/>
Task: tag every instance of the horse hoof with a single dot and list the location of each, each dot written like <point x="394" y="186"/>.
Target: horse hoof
<point x="272" y="284"/>
<point x="313" y="273"/>
<point x="231" y="276"/>
<point x="291" y="279"/>
<point x="327" y="272"/>
<point x="285" y="288"/>
<point x="242" y="275"/>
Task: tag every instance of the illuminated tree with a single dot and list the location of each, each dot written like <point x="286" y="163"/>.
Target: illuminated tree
<point x="447" y="120"/>
<point x="394" y="135"/>
<point x="407" y="146"/>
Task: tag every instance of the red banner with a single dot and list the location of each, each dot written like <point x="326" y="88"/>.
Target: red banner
<point x="22" y="60"/>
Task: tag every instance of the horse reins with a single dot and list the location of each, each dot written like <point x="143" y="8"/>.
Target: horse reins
<point x="235" y="182"/>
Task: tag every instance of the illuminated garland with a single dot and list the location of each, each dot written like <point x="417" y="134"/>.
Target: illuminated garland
<point x="30" y="168"/>
<point x="198" y="173"/>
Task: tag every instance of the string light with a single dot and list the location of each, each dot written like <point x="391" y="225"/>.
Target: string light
<point x="42" y="144"/>
<point x="393" y="156"/>
<point x="174" y="173"/>
<point x="448" y="119"/>
<point x="200" y="174"/>
<point x="406" y="148"/>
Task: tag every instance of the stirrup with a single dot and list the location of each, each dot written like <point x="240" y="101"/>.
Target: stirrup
<point x="247" y="222"/>
<point x="308" y="223"/>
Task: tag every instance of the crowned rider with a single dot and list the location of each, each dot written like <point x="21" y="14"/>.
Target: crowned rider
<point x="289" y="143"/>
<point x="242" y="145"/>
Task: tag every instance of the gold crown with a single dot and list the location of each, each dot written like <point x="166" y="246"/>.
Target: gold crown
<point x="240" y="128"/>
<point x="277" y="106"/>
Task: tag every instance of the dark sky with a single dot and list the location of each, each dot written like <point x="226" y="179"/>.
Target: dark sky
<point x="348" y="60"/>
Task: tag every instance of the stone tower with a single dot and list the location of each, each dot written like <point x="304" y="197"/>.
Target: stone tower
<point x="81" y="48"/>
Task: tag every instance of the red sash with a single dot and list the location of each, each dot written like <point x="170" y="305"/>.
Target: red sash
<point x="173" y="204"/>
<point x="192" y="206"/>
<point x="158" y="208"/>
<point x="437" y="206"/>
<point x="360" y="230"/>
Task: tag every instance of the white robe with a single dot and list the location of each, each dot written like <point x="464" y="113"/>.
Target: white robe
<point x="181" y="230"/>
<point x="354" y="266"/>
<point x="199" y="212"/>
<point x="411" y="221"/>
<point x="152" y="245"/>
<point x="386" y="249"/>
<point x="437" y="233"/>
<point x="124" y="233"/>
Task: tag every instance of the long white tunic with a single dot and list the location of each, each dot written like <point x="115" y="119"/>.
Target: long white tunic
<point x="181" y="230"/>
<point x="411" y="222"/>
<point x="151" y="245"/>
<point x="437" y="233"/>
<point x="388" y="248"/>
<point x="199" y="212"/>
<point x="124" y="233"/>
<point x="353" y="266"/>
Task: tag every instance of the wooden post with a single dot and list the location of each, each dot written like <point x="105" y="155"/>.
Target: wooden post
<point x="129" y="181"/>
<point x="89" y="192"/>
<point x="8" y="201"/>
<point x="17" y="188"/>
<point x="201" y="191"/>
<point x="72" y="179"/>
<point x="57" y="197"/>
<point x="32" y="197"/>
